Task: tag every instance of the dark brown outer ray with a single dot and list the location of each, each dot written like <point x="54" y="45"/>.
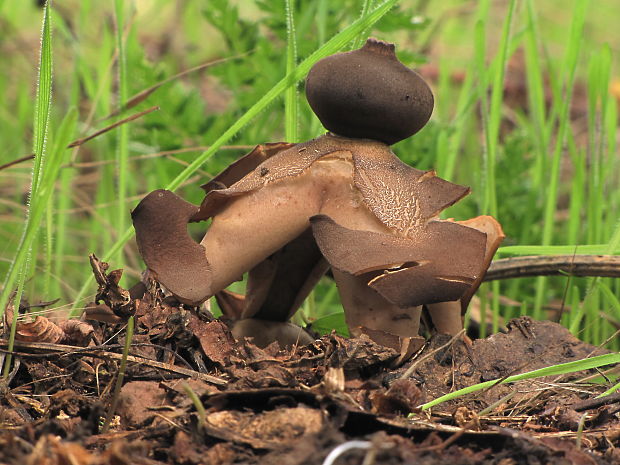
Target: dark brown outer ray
<point x="357" y="252"/>
<point x="438" y="263"/>
<point x="290" y="162"/>
<point x="415" y="286"/>
<point x="298" y="267"/>
<point x="175" y="259"/>
<point x="402" y="197"/>
<point x="238" y="169"/>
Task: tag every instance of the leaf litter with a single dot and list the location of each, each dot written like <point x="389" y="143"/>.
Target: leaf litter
<point x="293" y="405"/>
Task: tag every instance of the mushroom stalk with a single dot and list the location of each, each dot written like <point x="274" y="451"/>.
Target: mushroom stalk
<point x="366" y="308"/>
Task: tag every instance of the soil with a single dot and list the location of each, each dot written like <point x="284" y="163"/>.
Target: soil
<point x="303" y="405"/>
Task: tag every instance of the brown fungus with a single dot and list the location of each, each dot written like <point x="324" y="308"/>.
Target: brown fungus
<point x="175" y="259"/>
<point x="369" y="94"/>
<point x="284" y="213"/>
<point x="422" y="269"/>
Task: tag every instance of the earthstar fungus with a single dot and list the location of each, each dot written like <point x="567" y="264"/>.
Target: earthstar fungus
<point x="286" y="213"/>
<point x="369" y="94"/>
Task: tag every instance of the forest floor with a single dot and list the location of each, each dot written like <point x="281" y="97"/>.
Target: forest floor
<point x="293" y="406"/>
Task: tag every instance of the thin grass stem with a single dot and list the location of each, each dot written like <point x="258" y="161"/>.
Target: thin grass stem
<point x="121" y="376"/>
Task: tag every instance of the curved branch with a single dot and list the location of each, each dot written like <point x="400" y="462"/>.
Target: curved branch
<point x="547" y="265"/>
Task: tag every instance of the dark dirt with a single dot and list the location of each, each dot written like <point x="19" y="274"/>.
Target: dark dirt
<point x="295" y="406"/>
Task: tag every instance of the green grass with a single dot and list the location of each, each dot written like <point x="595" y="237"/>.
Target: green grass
<point x="560" y="369"/>
<point x="291" y="103"/>
<point x="41" y="186"/>
<point x="542" y="158"/>
<point x="551" y="193"/>
<point x="491" y="117"/>
<point x="122" y="149"/>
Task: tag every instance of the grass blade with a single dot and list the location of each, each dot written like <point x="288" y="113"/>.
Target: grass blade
<point x="553" y="176"/>
<point x="589" y="249"/>
<point x="122" y="150"/>
<point x="16" y="275"/>
<point x="491" y="124"/>
<point x="359" y="40"/>
<point x="493" y="121"/>
<point x="290" y="97"/>
<point x="59" y="155"/>
<point x="560" y="369"/>
<point x="614" y="244"/>
<point x="43" y="101"/>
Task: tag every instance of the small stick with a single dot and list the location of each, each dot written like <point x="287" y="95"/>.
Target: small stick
<point x="546" y="265"/>
<point x="15" y="162"/>
<point x="448" y="441"/>
<point x="162" y="154"/>
<point x="83" y="140"/>
<point x="140" y="96"/>
<point x="98" y="352"/>
<point x="596" y="402"/>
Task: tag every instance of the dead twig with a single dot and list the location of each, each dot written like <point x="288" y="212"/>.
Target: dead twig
<point x="596" y="402"/>
<point x="464" y="429"/>
<point x="15" y="162"/>
<point x="546" y="265"/>
<point x="31" y="348"/>
<point x="83" y="140"/>
<point x="144" y="94"/>
<point x="162" y="154"/>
